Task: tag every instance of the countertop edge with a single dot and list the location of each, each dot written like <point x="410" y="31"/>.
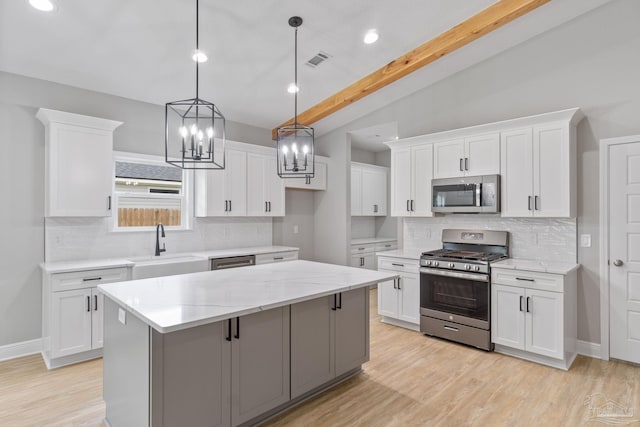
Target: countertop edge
<point x="536" y="266"/>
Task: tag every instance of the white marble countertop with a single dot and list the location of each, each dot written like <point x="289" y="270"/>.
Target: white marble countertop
<point x="536" y="265"/>
<point x="93" y="264"/>
<point x="368" y="240"/>
<point x="179" y="302"/>
<point x="401" y="253"/>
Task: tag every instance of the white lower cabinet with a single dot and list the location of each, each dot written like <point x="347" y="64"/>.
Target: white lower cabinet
<point x="276" y="257"/>
<point x="399" y="299"/>
<point x="364" y="255"/>
<point x="339" y="344"/>
<point x="72" y="314"/>
<point x="533" y="316"/>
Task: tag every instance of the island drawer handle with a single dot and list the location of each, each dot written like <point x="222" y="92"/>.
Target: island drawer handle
<point x="339" y="306"/>
<point x="237" y="335"/>
<point x="450" y="328"/>
<point x="91" y="279"/>
<point x="335" y="305"/>
<point x="278" y="257"/>
<point x="228" y="337"/>
<point x="525" y="279"/>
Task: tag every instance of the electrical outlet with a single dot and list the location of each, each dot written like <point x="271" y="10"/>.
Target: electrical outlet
<point x="585" y="240"/>
<point x="296" y="229"/>
<point x="122" y="316"/>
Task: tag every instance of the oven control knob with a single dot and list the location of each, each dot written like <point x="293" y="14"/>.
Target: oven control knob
<point x="476" y="268"/>
<point x="436" y="263"/>
<point x="428" y="262"/>
<point x="467" y="267"/>
<point x="451" y="265"/>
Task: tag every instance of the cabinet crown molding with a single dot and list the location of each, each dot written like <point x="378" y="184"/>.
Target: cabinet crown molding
<point x="47" y="116"/>
<point x="571" y="115"/>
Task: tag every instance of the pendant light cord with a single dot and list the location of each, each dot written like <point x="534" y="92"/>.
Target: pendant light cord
<point x="197" y="44"/>
<point x="295" y="67"/>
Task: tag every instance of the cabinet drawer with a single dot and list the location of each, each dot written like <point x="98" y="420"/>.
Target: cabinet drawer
<point x="398" y="264"/>
<point x="87" y="279"/>
<point x="363" y="249"/>
<point x="528" y="279"/>
<point x="386" y="246"/>
<point x="276" y="257"/>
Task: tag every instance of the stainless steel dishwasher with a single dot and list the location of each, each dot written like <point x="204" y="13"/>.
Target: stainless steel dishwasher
<point x="233" y="262"/>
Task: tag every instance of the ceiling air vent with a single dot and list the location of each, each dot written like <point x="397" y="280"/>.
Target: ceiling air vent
<point x="318" y="59"/>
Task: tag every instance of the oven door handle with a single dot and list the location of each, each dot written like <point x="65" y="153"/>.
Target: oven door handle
<point x="458" y="275"/>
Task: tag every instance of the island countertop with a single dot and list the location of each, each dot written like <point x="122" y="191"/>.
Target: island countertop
<point x="174" y="303"/>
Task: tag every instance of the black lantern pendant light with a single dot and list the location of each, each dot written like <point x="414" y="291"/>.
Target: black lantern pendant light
<point x="295" y="142"/>
<point x="194" y="128"/>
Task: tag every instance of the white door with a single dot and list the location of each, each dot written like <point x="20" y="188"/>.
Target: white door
<point x="624" y="246"/>
<point x="400" y="181"/>
<point x="516" y="150"/>
<point x="356" y="191"/>
<point x="388" y="299"/>
<point x="257" y="204"/>
<point x="374" y="185"/>
<point x="210" y="194"/>
<point x="369" y="192"/>
<point x="409" y="304"/>
<point x="448" y="159"/>
<point x="544" y="320"/>
<point x="550" y="173"/>
<point x="71" y="329"/>
<point x="236" y="182"/>
<point x="507" y="316"/>
<point x="482" y="155"/>
<point x="274" y="187"/>
<point x="422" y="170"/>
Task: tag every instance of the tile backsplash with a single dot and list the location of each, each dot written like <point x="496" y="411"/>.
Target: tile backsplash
<point x="545" y="239"/>
<point x="91" y="238"/>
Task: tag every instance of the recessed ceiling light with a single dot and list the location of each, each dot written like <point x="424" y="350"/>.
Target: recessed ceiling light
<point x="371" y="36"/>
<point x="293" y="88"/>
<point x="43" y="5"/>
<point x="199" y="56"/>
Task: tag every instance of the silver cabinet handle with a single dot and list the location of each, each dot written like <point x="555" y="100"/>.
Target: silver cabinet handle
<point x="461" y="168"/>
<point x="535" y="203"/>
<point x="618" y="263"/>
<point x="466" y="163"/>
<point x="529" y="203"/>
<point x="450" y="328"/>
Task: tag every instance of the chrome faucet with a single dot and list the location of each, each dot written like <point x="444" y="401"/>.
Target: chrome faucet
<point x="160" y="227"/>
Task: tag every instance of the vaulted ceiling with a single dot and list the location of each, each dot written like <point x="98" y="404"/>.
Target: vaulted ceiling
<point x="142" y="49"/>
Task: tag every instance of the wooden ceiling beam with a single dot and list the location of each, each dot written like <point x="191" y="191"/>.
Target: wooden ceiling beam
<point x="489" y="19"/>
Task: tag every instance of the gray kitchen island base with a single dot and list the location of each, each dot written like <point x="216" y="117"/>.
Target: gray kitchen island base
<point x="233" y="372"/>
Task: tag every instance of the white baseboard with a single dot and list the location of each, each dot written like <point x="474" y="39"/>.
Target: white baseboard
<point x="19" y="349"/>
<point x="589" y="349"/>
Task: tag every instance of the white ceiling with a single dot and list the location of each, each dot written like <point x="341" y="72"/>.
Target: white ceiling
<point x="142" y="49"/>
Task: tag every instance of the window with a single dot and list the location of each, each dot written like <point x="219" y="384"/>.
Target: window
<point x="147" y="191"/>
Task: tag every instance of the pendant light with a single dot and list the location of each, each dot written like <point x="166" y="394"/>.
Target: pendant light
<point x="195" y="128"/>
<point x="295" y="142"/>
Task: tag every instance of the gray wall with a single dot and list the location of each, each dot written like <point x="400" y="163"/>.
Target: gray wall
<point x="591" y="62"/>
<point x="22" y="180"/>
<point x="299" y="206"/>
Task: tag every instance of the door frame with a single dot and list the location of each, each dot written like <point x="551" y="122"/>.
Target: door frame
<point x="605" y="146"/>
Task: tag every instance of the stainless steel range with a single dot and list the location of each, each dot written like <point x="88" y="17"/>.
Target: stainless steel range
<point x="455" y="286"/>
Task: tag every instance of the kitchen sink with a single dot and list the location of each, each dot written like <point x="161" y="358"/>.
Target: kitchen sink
<point x="167" y="265"/>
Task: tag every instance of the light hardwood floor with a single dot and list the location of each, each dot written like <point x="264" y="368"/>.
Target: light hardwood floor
<point x="411" y="380"/>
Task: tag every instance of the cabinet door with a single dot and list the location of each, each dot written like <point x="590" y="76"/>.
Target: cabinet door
<point x="374" y="192"/>
<point x="274" y="187"/>
<point x="259" y="363"/>
<point x="256" y="186"/>
<point x="516" y="169"/>
<point x="352" y="330"/>
<point x="388" y="299"/>
<point x="356" y="191"/>
<point x="544" y="323"/>
<point x="422" y="172"/>
<point x="312" y="361"/>
<point x="210" y="195"/>
<point x="409" y="302"/>
<point x="400" y="181"/>
<point x="482" y="155"/>
<point x="71" y="329"/>
<point x="80" y="171"/>
<point x="551" y="171"/>
<point x="318" y="182"/>
<point x="369" y="261"/>
<point x="358" y="261"/>
<point x="448" y="159"/>
<point x="507" y="316"/>
<point x="97" y="308"/>
<point x="236" y="182"/>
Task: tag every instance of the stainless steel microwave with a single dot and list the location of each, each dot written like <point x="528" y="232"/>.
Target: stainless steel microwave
<point x="468" y="194"/>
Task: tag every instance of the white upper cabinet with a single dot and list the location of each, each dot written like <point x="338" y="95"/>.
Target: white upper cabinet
<point x="474" y="155"/>
<point x="411" y="173"/>
<point x="318" y="182"/>
<point x="265" y="189"/>
<point x="223" y="192"/>
<point x="368" y="190"/>
<point x="538" y="171"/>
<point x="78" y="164"/>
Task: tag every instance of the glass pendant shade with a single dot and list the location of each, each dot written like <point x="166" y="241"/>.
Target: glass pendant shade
<point x="194" y="135"/>
<point x="295" y="148"/>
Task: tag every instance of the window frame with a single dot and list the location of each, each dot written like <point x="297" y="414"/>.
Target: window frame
<point x="186" y="196"/>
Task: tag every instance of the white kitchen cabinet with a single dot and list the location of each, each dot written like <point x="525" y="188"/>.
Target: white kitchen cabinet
<point x="318" y="182"/>
<point x="265" y="189"/>
<point x="366" y="261"/>
<point x="72" y="310"/>
<point x="533" y="315"/>
<point x="399" y="299"/>
<point x="411" y="174"/>
<point x="78" y="164"/>
<point x="368" y="190"/>
<point x="538" y="171"/>
<point x="223" y="192"/>
<point x="470" y="156"/>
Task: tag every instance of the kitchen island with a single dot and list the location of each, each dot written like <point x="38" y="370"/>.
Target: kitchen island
<point x="232" y="347"/>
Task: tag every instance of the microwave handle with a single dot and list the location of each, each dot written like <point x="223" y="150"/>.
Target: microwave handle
<point x="479" y="195"/>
